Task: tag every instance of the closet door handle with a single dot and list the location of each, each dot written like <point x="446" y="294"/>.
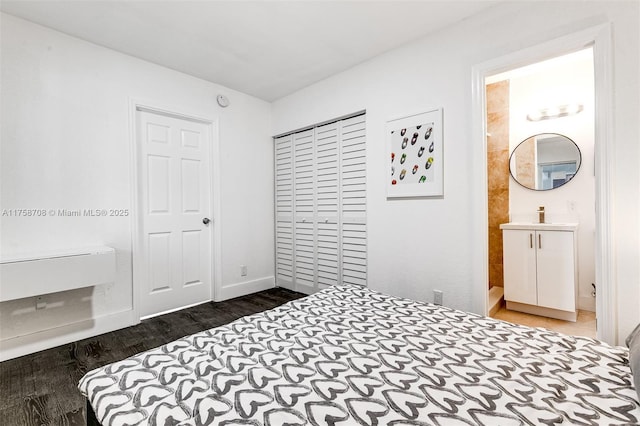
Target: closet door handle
<point x="530" y="240"/>
<point x="539" y="241"/>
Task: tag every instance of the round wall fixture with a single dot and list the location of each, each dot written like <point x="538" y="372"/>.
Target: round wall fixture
<point x="223" y="101"/>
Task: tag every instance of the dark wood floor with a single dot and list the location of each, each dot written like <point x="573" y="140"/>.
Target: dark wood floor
<point x="41" y="389"/>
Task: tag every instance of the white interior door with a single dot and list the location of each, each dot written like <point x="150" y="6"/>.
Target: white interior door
<point x="175" y="208"/>
<point x="304" y="233"/>
<point x="353" y="194"/>
<point x="327" y="205"/>
<point x="284" y="211"/>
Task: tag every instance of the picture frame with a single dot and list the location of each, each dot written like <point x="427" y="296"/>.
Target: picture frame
<point x="415" y="161"/>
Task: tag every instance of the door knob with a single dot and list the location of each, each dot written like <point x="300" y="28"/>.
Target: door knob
<point x="206" y="221"/>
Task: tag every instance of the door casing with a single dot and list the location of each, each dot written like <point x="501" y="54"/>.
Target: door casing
<point x="136" y="105"/>
<point x="598" y="37"/>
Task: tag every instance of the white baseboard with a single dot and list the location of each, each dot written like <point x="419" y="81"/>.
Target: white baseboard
<point x="169" y="311"/>
<point x="244" y="288"/>
<point x="34" y="342"/>
<point x="542" y="311"/>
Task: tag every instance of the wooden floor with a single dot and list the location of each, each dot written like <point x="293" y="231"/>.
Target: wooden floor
<point x="41" y="389"/>
<point x="584" y="326"/>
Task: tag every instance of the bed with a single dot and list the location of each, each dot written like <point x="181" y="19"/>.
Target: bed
<point x="351" y="356"/>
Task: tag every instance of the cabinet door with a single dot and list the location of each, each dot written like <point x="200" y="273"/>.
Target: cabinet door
<point x="519" y="266"/>
<point x="556" y="270"/>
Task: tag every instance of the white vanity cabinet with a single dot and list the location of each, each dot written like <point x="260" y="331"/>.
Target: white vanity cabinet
<point x="540" y="269"/>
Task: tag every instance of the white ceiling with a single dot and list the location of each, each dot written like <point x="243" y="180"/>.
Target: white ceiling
<point x="268" y="49"/>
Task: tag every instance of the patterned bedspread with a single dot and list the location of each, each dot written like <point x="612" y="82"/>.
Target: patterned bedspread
<point x="351" y="356"/>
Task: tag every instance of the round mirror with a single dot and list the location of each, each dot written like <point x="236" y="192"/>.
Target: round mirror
<point x="545" y="161"/>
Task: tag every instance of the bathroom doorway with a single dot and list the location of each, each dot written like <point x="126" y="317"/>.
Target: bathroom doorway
<point x="554" y="98"/>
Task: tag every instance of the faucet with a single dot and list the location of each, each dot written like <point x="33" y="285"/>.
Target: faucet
<point x="541" y="214"/>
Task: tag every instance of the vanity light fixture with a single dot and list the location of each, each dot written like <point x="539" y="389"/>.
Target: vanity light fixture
<point x="555" y="112"/>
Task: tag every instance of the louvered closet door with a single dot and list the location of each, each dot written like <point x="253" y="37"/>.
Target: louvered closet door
<point x="353" y="200"/>
<point x="284" y="211"/>
<point x="321" y="234"/>
<point x="327" y="202"/>
<point x="304" y="208"/>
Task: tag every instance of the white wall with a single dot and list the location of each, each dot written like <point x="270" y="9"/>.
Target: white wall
<point x="66" y="145"/>
<point x="566" y="80"/>
<point x="419" y="245"/>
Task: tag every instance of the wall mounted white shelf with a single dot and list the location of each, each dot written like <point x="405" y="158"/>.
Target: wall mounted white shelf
<point x="37" y="273"/>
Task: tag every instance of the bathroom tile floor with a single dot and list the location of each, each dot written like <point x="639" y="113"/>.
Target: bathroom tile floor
<point x="584" y="326"/>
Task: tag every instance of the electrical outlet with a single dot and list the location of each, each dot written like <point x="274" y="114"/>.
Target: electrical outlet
<point x="41" y="303"/>
<point x="571" y="206"/>
<point x="437" y="297"/>
<point x="243" y="270"/>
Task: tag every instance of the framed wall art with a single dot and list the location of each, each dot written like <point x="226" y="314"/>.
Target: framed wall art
<point x="415" y="155"/>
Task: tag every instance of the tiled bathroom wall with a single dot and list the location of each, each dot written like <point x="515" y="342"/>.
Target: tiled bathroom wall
<point x="497" y="173"/>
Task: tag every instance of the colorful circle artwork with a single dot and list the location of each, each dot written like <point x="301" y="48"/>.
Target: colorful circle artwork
<point x="413" y="152"/>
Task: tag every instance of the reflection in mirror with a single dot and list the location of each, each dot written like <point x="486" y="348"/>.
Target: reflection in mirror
<point x="545" y="161"/>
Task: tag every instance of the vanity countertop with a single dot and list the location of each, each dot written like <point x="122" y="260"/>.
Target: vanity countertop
<point x="541" y="226"/>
